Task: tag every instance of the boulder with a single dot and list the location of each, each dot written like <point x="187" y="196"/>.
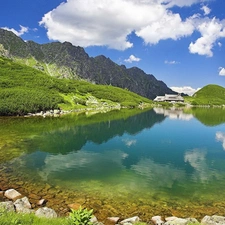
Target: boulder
<point x="177" y="221"/>
<point x="41" y="202"/>
<point x="23" y="205"/>
<point x="46" y="212"/>
<point x="12" y="194"/>
<point x="113" y="219"/>
<point x="157" y="220"/>
<point x="213" y="220"/>
<point x="8" y="206"/>
<point x="131" y="220"/>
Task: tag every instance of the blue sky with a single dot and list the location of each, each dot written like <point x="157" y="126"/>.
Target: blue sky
<point x="181" y="42"/>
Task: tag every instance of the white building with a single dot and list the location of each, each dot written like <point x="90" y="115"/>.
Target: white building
<point x="169" y="98"/>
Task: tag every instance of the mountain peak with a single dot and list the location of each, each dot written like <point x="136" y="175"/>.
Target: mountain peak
<point x="67" y="61"/>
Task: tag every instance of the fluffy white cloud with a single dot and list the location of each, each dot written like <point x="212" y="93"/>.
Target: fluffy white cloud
<point x="22" y="30"/>
<point x="132" y="58"/>
<point x="206" y="10"/>
<point x="171" y="62"/>
<point x="109" y="23"/>
<point x="219" y="44"/>
<point x="186" y="89"/>
<point x="211" y="30"/>
<point x="169" y="26"/>
<point x="222" y="71"/>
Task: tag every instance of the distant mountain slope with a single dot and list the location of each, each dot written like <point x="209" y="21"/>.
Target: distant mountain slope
<point x="64" y="60"/>
<point x="26" y="90"/>
<point x="209" y="95"/>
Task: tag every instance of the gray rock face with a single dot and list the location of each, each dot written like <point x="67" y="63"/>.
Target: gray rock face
<point x="8" y="206"/>
<point x="213" y="220"/>
<point x="46" y="212"/>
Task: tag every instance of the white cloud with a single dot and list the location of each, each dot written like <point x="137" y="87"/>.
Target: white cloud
<point x="169" y="26"/>
<point x="171" y="62"/>
<point x="132" y="58"/>
<point x="211" y="30"/>
<point x="109" y="22"/>
<point x="22" y="30"/>
<point x="221" y="137"/>
<point x="206" y="10"/>
<point x="219" y="44"/>
<point x="222" y="71"/>
<point x="185" y="89"/>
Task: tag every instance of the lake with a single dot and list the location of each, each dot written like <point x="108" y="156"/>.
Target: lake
<point x="152" y="162"/>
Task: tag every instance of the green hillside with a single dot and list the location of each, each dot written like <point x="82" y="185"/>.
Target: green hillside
<point x="208" y="95"/>
<point x="26" y="90"/>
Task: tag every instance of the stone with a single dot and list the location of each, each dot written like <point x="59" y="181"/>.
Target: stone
<point x="170" y="218"/>
<point x="46" y="212"/>
<point x="157" y="220"/>
<point x="23" y="205"/>
<point x="94" y="220"/>
<point x="213" y="220"/>
<point x="8" y="206"/>
<point x="12" y="194"/>
<point x="177" y="221"/>
<point x="74" y="206"/>
<point x="41" y="202"/>
<point x="113" y="219"/>
<point x="131" y="220"/>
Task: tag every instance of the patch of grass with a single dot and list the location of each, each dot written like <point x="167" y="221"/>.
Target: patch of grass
<point x="12" y="218"/>
<point x="209" y="95"/>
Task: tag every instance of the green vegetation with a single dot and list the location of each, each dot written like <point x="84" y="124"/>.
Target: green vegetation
<point x="24" y="89"/>
<point x="12" y="218"/>
<point x="208" y="95"/>
<point x="81" y="217"/>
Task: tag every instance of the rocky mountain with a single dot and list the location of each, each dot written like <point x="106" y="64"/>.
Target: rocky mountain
<point x="63" y="60"/>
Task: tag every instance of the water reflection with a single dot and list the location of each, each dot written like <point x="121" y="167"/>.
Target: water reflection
<point x="174" y="113"/>
<point x="220" y="136"/>
<point x="151" y="153"/>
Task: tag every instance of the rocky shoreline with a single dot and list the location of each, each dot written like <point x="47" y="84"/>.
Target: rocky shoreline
<point x="14" y="201"/>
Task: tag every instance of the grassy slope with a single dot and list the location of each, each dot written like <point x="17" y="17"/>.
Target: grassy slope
<point x="208" y="95"/>
<point x="24" y="89"/>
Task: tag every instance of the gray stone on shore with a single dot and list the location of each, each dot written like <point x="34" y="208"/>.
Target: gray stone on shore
<point x="213" y="220"/>
<point x="46" y="212"/>
<point x="23" y="205"/>
<point x="7" y="206"/>
<point x="12" y="194"/>
<point x="131" y="220"/>
<point x="157" y="220"/>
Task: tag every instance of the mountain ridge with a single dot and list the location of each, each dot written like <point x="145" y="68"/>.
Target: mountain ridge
<point x="63" y="60"/>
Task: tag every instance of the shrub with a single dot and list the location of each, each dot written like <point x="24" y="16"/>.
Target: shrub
<point x="81" y="216"/>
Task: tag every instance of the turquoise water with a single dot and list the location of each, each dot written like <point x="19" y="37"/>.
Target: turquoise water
<point x="156" y="156"/>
